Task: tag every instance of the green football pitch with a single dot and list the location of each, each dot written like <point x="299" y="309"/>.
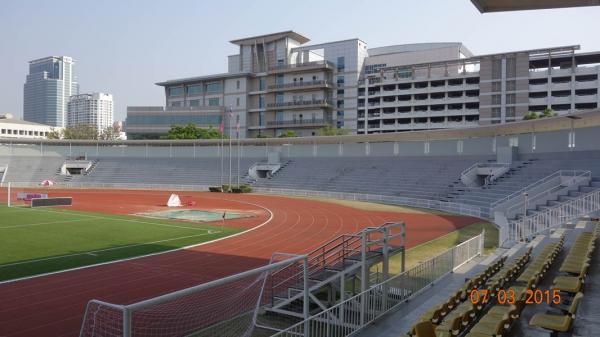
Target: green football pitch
<point x="41" y="240"/>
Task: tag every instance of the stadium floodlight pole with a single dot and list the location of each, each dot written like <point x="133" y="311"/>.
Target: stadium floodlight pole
<point x="222" y="145"/>
<point x="230" y="115"/>
<point x="237" y="135"/>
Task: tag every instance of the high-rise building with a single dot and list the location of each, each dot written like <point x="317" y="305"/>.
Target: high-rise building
<point x="278" y="82"/>
<point x="93" y="109"/>
<point x="50" y="83"/>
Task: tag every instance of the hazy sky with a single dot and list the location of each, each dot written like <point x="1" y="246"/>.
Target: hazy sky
<point x="124" y="47"/>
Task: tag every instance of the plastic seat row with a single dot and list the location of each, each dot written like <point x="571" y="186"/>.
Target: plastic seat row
<point x="499" y="318"/>
<point x="574" y="268"/>
<point x="457" y="304"/>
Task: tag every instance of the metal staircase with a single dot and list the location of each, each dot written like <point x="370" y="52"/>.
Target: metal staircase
<point x="335" y="271"/>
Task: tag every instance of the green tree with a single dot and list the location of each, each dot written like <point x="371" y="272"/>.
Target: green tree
<point x="548" y="113"/>
<point x="288" y="134"/>
<point x="80" y="131"/>
<point x="331" y="131"/>
<point x="530" y="115"/>
<point x="54" y="134"/>
<point x="191" y="131"/>
<point x="110" y="133"/>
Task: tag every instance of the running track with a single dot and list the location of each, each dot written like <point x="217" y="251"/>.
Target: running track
<point x="53" y="305"/>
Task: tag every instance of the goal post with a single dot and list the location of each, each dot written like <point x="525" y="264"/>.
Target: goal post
<point x="223" y="307"/>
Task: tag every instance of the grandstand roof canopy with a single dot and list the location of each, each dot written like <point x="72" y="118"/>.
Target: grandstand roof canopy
<point x="486" y="6"/>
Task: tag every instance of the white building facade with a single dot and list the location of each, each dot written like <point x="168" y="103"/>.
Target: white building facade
<point x="93" y="109"/>
<point x="278" y="82"/>
<point x="16" y="128"/>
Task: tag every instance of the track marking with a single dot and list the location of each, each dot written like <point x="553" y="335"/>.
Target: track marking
<point x="93" y="252"/>
<point x="157" y="253"/>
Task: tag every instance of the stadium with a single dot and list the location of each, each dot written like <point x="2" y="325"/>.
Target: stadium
<point x="482" y="231"/>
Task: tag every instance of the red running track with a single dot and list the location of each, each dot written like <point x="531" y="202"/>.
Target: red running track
<point x="53" y="305"/>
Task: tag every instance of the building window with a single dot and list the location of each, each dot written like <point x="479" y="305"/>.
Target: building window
<point x="176" y="104"/>
<point x="341" y="63"/>
<point x="237" y="101"/>
<point x="340" y="92"/>
<point x="314" y="78"/>
<point x="261" y="101"/>
<point x="340" y="81"/>
<point x="496" y="86"/>
<point x="511" y="85"/>
<point x="511" y="98"/>
<point x="510" y="111"/>
<point x="262" y="84"/>
<point x="496" y="99"/>
<point x="213" y="101"/>
<point x="261" y="118"/>
<point x="511" y="67"/>
<point x="194" y="89"/>
<point x="195" y="103"/>
<point x="237" y="84"/>
<point x="496" y="113"/>
<point x="496" y="68"/>
<point x="213" y="87"/>
<point x="176" y="91"/>
<point x="340" y="104"/>
<point x="279" y="98"/>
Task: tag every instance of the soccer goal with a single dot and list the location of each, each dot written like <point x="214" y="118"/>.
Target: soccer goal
<point x="223" y="307"/>
<point x="19" y="195"/>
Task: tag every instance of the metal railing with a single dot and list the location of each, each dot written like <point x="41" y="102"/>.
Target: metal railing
<point x="352" y="315"/>
<point x="300" y="84"/>
<point x="528" y="226"/>
<point x="451" y="207"/>
<point x="309" y="121"/>
<point x="119" y="185"/>
<point x="323" y="63"/>
<point x="553" y="177"/>
<point x="477" y="165"/>
<point x="543" y="196"/>
<point x="299" y="103"/>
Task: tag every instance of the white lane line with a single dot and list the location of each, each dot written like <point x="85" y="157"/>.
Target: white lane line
<point x="40" y="223"/>
<point x="153" y="254"/>
<point x="115" y="219"/>
<point x="95" y="252"/>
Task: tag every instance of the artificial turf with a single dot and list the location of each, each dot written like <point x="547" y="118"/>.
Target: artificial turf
<point x="41" y="240"/>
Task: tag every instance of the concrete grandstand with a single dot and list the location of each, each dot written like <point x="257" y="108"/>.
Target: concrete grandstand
<point x="534" y="179"/>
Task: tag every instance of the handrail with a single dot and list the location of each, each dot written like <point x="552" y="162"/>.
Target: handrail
<point x="553" y="216"/>
<point x="581" y="174"/>
<point x="322" y="251"/>
<point x="374" y="303"/>
<point x="520" y="192"/>
<point x="480" y="164"/>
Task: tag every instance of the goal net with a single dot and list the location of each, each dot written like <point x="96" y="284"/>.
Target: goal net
<point x="224" y="307"/>
<point x="17" y="195"/>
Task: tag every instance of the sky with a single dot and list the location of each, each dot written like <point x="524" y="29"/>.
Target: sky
<point x="124" y="47"/>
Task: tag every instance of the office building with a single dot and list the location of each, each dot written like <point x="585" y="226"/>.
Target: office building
<point x="93" y="109"/>
<point x="279" y="82"/>
<point x="49" y="84"/>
